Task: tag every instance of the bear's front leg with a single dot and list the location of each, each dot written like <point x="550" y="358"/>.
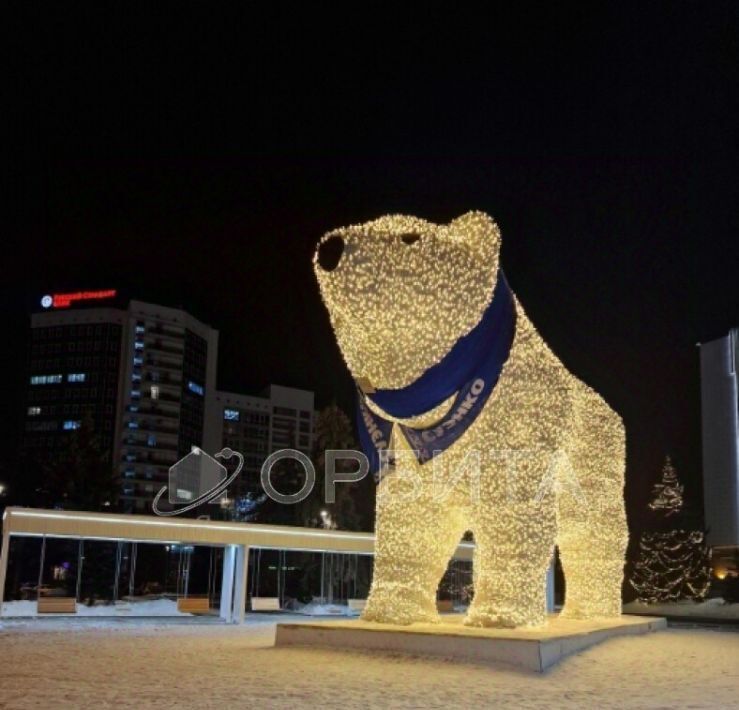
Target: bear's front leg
<point x="512" y="553"/>
<point x="415" y="538"/>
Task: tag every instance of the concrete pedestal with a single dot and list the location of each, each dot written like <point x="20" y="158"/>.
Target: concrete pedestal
<point x="531" y="649"/>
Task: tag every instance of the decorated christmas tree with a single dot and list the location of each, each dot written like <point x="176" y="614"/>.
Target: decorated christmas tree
<point x="673" y="563"/>
<point x="668" y="493"/>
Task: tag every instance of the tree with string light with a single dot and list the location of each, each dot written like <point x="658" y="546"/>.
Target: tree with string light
<point x="673" y="563"/>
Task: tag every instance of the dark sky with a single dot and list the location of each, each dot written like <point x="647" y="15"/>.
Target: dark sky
<point x="196" y="160"/>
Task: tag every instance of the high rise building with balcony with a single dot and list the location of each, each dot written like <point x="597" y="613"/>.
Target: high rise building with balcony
<point x="142" y="372"/>
<point x="169" y="368"/>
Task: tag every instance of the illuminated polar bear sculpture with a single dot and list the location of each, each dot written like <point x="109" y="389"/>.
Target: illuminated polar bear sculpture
<point x="454" y="380"/>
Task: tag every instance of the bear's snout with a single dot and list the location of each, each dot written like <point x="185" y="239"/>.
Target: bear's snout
<point x="330" y="252"/>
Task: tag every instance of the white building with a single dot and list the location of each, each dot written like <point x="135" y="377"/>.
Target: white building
<point x="720" y="424"/>
<point x="281" y="418"/>
<point x="169" y="363"/>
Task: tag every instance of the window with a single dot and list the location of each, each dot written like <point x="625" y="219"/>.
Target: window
<point x="155" y="391"/>
<point x="138" y="345"/>
<point x="76" y="377"/>
<point x="231" y="415"/>
<point x="133" y="425"/>
<point x="284" y="411"/>
<point x="46" y="379"/>
<point x="195" y="387"/>
<point x="34" y="411"/>
<point x="151" y="440"/>
<point x="136" y="393"/>
<point x="140" y="329"/>
<point x="71" y="424"/>
<point x="138" y="360"/>
<point x="41" y="426"/>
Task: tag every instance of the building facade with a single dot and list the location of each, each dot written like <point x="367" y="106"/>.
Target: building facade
<point x="169" y="370"/>
<point x="256" y="426"/>
<point x="719" y="361"/>
<point x="74" y="370"/>
<point x="142" y="373"/>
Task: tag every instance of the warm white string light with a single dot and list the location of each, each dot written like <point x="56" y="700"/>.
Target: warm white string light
<point x="404" y="291"/>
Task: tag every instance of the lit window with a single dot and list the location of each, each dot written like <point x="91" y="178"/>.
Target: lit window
<point x="151" y="440"/>
<point x="140" y="329"/>
<point x="155" y="391"/>
<point x="34" y="411"/>
<point x="46" y="379"/>
<point x="133" y="425"/>
<point x="138" y="360"/>
<point x="138" y="345"/>
<point x="231" y="415"/>
<point x="195" y="387"/>
<point x="70" y="424"/>
<point x="76" y="377"/>
<point x="136" y="393"/>
<point x="136" y="377"/>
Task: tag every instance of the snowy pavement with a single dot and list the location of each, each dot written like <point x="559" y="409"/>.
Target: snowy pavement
<point x="154" y="607"/>
<point x="709" y="609"/>
<point x="96" y="663"/>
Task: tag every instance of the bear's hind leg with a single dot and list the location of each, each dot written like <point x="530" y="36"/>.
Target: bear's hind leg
<point x="510" y="567"/>
<point x="592" y="532"/>
<point x="514" y="527"/>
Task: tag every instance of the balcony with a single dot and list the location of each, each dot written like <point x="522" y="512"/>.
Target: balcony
<point x="162" y="346"/>
<point x="141" y="444"/>
<point x="154" y="410"/>
<point x="177" y="335"/>
<point x="165" y="379"/>
<point x="160" y="428"/>
<point x="162" y="364"/>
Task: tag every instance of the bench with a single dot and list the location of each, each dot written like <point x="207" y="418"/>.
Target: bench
<point x="56" y="605"/>
<point x="265" y="604"/>
<point x="444" y="605"/>
<point x="193" y="605"/>
<point x="356" y="604"/>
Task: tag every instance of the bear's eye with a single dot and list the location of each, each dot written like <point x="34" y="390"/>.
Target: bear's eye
<point x="410" y="238"/>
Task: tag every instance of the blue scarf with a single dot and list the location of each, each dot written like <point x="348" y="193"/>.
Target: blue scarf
<point x="470" y="369"/>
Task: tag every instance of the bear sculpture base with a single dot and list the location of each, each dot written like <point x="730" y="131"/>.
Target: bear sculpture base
<point x="532" y="649"/>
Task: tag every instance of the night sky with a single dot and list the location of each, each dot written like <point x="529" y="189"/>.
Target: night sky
<point x="196" y="161"/>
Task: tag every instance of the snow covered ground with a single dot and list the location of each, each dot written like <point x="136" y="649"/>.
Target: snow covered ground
<point x="94" y="663"/>
<point x="709" y="609"/>
<point x="147" y="607"/>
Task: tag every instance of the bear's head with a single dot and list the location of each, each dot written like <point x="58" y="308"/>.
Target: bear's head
<point x="401" y="291"/>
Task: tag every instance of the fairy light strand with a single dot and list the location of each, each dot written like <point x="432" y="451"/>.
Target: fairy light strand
<point x="397" y="306"/>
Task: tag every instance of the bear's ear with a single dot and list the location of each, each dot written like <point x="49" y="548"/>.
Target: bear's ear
<point x="478" y="230"/>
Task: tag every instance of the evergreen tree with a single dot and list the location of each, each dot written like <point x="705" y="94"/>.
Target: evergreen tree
<point x="354" y="503"/>
<point x="668" y="493"/>
<point x="673" y="563"/>
<point x="82" y="477"/>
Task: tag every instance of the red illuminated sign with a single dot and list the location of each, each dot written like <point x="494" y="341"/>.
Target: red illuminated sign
<point x="65" y="300"/>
